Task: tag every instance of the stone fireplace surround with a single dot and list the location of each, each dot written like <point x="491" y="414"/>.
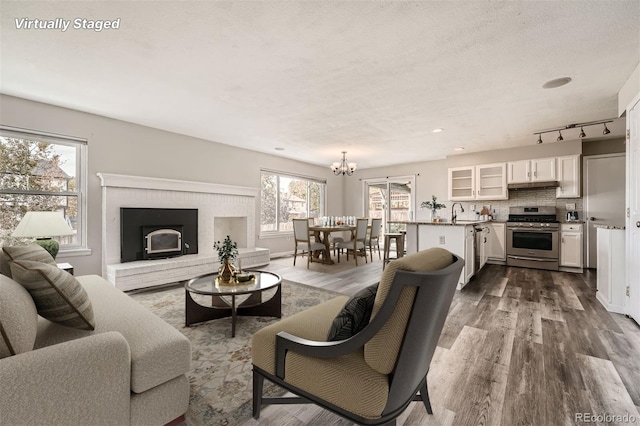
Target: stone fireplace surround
<point x="222" y="210"/>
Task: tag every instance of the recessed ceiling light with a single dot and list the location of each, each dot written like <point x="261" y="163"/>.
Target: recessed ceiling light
<point x="279" y="148"/>
<point x="552" y="84"/>
<point x="460" y="148"/>
<point x="438" y="130"/>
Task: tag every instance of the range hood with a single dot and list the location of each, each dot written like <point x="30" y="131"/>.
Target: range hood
<point x="534" y="185"/>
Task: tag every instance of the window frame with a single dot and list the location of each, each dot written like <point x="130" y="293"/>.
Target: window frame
<point x="81" y="150"/>
<point x="309" y="180"/>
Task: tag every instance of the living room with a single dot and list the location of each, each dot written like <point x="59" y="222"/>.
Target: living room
<point x="128" y="136"/>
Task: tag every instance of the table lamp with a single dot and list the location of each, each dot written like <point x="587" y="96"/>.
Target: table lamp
<point x="43" y="226"/>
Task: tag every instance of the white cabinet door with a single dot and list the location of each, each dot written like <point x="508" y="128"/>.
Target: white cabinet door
<point x="568" y="173"/>
<point x="495" y="242"/>
<point x="491" y="182"/>
<point x="462" y="183"/>
<point x="571" y="246"/>
<point x="543" y="169"/>
<point x="469" y="253"/>
<point x="519" y="171"/>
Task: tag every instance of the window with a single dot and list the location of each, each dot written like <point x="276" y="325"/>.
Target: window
<point x="42" y="172"/>
<point x="285" y="197"/>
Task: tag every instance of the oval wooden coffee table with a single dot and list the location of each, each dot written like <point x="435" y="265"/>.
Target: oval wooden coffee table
<point x="208" y="285"/>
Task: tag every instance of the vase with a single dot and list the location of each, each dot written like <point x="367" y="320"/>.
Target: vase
<point x="226" y="270"/>
<point x="434" y="215"/>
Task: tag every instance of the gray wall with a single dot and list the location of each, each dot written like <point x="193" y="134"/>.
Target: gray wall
<point x="124" y="148"/>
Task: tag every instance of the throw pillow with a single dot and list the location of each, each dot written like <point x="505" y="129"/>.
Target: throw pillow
<point x="28" y="252"/>
<point x="18" y="318"/>
<point x="354" y="316"/>
<point x="59" y="297"/>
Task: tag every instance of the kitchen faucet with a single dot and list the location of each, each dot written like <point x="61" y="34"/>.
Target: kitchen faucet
<point x="454" y="216"/>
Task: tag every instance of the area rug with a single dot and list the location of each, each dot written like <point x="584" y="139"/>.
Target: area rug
<point x="221" y="377"/>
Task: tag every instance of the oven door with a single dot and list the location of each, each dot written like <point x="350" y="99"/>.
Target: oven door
<point x="532" y="243"/>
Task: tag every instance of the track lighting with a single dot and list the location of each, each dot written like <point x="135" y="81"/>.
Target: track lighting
<point x="582" y="134"/>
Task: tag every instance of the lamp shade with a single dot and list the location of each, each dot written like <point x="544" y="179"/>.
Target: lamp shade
<point x="42" y="224"/>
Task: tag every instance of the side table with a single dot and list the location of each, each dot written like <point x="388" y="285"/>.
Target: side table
<point x="66" y="267"/>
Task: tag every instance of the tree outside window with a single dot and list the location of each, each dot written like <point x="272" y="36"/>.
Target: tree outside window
<point x="38" y="175"/>
<point x="284" y="198"/>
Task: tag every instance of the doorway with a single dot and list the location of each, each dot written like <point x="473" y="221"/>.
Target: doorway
<point x="604" y="197"/>
<point x="390" y="199"/>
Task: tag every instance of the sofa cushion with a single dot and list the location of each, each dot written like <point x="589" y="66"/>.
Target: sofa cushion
<point x="59" y="297"/>
<point x="159" y="352"/>
<point x="18" y="318"/>
<point x="354" y="316"/>
<point x="27" y="252"/>
<point x="382" y="350"/>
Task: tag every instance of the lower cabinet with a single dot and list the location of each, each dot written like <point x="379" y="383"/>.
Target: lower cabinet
<point x="496" y="249"/>
<point x="571" y="245"/>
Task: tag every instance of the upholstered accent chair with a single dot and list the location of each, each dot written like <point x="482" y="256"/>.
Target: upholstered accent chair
<point x="371" y="377"/>
<point x="303" y="241"/>
<point x="357" y="242"/>
<point x="374" y="237"/>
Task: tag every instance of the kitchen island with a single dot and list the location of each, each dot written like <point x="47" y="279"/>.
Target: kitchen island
<point x="458" y="238"/>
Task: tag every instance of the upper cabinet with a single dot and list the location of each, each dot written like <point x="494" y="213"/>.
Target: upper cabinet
<point x="484" y="182"/>
<point x="491" y="182"/>
<point x="568" y="174"/>
<point x="538" y="170"/>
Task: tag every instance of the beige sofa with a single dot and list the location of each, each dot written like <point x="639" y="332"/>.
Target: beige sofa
<point x="130" y="370"/>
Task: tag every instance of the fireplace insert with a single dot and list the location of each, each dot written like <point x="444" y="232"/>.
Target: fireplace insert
<point x="162" y="241"/>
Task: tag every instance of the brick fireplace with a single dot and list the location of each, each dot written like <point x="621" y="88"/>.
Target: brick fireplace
<point x="222" y="210"/>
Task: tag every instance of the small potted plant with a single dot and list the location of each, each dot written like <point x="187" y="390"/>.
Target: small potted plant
<point x="227" y="252"/>
<point x="434" y="206"/>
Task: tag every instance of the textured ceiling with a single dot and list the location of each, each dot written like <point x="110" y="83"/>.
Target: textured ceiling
<point x="317" y="78"/>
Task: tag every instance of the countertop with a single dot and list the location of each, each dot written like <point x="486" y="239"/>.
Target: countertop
<point x="621" y="227"/>
<point x="458" y="223"/>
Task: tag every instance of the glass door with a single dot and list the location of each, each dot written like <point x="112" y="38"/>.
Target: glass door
<point x="391" y="199"/>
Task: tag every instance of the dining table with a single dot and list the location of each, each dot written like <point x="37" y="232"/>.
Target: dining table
<point x="322" y="233"/>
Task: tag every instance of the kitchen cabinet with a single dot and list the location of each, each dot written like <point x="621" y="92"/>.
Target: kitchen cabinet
<point x="611" y="269"/>
<point x="496" y="249"/>
<point x="482" y="232"/>
<point x="462" y="183"/>
<point x="491" y="182"/>
<point x="458" y="239"/>
<point x="568" y="174"/>
<point x="537" y="170"/>
<point x="469" y="253"/>
<point x="571" y="245"/>
<point x="482" y="182"/>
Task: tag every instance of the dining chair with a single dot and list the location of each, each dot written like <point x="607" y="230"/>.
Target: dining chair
<point x="374" y="236"/>
<point x="356" y="243"/>
<point x="303" y="241"/>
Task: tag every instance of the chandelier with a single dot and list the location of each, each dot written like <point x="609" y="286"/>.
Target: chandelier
<point x="343" y="167"/>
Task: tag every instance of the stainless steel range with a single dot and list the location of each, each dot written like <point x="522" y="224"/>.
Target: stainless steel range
<point x="532" y="237"/>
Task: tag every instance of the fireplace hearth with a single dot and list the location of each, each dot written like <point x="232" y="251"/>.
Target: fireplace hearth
<point x="156" y="233"/>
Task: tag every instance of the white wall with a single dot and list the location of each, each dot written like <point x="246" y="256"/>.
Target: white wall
<point x="125" y="148"/>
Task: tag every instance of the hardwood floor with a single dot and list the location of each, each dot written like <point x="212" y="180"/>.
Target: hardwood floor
<point x="520" y="347"/>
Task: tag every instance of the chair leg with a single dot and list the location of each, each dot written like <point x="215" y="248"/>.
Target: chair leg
<point x="378" y="246"/>
<point x="424" y="393"/>
<point x="295" y="253"/>
<point x="258" y="382"/>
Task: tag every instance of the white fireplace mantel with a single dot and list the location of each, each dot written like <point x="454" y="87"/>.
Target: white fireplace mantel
<point x="127" y="181"/>
<point x="222" y="209"/>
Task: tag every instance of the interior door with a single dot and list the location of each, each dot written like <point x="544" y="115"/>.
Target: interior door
<point x="391" y="199"/>
<point x="604" y="177"/>
<point x="633" y="220"/>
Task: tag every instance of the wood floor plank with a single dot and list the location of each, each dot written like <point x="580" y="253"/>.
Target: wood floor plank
<point x="529" y="322"/>
<point x="607" y="393"/>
